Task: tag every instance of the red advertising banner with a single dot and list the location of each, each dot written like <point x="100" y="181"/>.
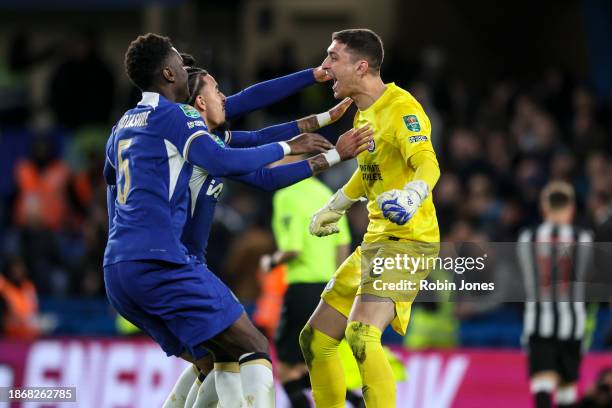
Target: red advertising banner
<point x="110" y="373"/>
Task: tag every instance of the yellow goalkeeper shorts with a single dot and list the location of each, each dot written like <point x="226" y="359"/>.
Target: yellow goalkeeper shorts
<point x="383" y="270"/>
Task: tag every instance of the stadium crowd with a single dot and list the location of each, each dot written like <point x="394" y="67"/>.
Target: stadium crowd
<point x="498" y="142"/>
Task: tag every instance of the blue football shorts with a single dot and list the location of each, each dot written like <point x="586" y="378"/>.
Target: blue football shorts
<point x="178" y="306"/>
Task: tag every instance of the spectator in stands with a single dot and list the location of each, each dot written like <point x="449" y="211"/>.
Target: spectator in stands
<point x="42" y="212"/>
<point x="42" y="188"/>
<point x="19" y="296"/>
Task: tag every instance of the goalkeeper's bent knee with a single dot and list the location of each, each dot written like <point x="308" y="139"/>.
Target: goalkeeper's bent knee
<point x="325" y="367"/>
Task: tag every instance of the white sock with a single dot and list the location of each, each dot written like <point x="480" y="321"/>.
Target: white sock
<point x="229" y="386"/>
<point x="179" y="392"/>
<point x="193" y="392"/>
<point x="257" y="380"/>
<point x="567" y="395"/>
<point x="207" y="394"/>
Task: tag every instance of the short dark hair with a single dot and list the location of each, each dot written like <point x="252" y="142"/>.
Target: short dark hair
<point x="363" y="42"/>
<point x="188" y="59"/>
<point x="144" y="57"/>
<point x="558" y="195"/>
<point x="195" y="82"/>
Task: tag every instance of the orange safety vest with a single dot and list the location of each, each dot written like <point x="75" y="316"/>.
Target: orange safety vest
<point x="270" y="301"/>
<point x="22" y="307"/>
<point x="42" y="194"/>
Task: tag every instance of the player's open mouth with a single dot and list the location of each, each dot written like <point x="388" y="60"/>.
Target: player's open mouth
<point x="335" y="85"/>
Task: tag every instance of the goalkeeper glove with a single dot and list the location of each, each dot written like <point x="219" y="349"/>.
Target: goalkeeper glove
<point x="325" y="221"/>
<point x="399" y="206"/>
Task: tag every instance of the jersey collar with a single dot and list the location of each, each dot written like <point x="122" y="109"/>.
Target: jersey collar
<point x="381" y="102"/>
<point x="150" y="99"/>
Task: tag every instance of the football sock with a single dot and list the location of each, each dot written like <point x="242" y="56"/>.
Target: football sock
<point x="257" y="380"/>
<point x="376" y="372"/>
<point x="543" y="400"/>
<point x="193" y="391"/>
<point x="179" y="392"/>
<point x="325" y="367"/>
<point x="207" y="396"/>
<point x="226" y="387"/>
<point x="567" y="396"/>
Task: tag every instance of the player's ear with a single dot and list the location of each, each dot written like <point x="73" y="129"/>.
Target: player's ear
<point x="168" y="74"/>
<point x="362" y="67"/>
<point x="200" y="103"/>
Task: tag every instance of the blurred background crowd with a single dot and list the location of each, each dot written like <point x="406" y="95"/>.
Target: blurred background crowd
<point x="526" y="112"/>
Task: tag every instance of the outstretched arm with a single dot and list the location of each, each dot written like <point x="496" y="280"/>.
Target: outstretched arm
<point x="208" y="152"/>
<point x="285" y="131"/>
<point x="270" y="179"/>
<point x="268" y="92"/>
<point x="349" y="145"/>
<point x="276" y="133"/>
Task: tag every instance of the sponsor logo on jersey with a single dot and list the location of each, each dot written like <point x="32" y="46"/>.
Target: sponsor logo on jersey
<point x="412" y="123"/>
<point x="214" y="189"/>
<point x="195" y="123"/>
<point x="370" y="172"/>
<point x="190" y="111"/>
<point x="415" y="139"/>
<point x="371" y="146"/>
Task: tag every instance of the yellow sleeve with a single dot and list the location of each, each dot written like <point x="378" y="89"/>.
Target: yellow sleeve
<point x="354" y="187"/>
<point x="412" y="130"/>
<point x="426" y="168"/>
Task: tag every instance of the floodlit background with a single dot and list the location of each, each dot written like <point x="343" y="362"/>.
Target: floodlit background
<point x="518" y="92"/>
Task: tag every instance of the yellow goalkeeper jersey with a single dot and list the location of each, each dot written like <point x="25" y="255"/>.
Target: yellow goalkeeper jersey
<point x="401" y="129"/>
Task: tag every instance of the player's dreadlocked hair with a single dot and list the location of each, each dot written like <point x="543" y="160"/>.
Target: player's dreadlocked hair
<point x="144" y="57"/>
<point x="195" y="82"/>
<point x="364" y="43"/>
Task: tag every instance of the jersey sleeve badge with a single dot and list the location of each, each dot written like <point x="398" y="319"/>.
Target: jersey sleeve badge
<point x="190" y="111"/>
<point x="217" y="139"/>
<point x="412" y="123"/>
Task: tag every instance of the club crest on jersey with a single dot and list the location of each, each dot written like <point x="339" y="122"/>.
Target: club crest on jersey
<point x="190" y="111"/>
<point x="412" y="123"/>
<point x="217" y="139"/>
<point x="371" y="146"/>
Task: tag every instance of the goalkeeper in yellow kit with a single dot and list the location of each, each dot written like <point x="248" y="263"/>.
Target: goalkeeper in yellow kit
<point x="396" y="175"/>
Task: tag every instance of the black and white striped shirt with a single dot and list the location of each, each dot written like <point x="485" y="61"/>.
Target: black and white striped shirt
<point x="554" y="259"/>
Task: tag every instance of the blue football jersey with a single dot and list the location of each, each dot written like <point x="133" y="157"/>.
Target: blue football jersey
<point x="146" y="153"/>
<point x="151" y="153"/>
<point x="204" y="191"/>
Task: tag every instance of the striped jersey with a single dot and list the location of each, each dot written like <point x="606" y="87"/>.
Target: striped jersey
<point x="554" y="259"/>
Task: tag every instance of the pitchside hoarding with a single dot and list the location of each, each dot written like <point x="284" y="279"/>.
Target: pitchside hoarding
<point x="136" y="373"/>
